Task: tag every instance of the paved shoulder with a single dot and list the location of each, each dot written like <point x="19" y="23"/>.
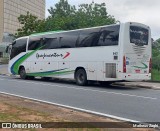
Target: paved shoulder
<point x="149" y="85"/>
<point x="3" y="69"/>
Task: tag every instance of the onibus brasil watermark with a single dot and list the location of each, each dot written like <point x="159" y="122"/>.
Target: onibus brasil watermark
<point x="21" y="125"/>
<point x="37" y="125"/>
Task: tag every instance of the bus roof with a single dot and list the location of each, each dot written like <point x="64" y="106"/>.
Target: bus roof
<point x="58" y="31"/>
<point x="44" y="33"/>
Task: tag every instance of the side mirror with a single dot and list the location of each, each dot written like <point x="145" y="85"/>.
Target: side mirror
<point x="7" y="49"/>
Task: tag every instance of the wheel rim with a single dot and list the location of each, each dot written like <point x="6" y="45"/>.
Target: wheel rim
<point x="81" y="78"/>
<point x="22" y="73"/>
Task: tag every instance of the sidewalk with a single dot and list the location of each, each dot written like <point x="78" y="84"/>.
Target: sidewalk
<point x="4" y="70"/>
<point x="148" y="85"/>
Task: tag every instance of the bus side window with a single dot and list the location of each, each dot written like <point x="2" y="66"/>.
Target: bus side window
<point x="89" y="37"/>
<point x="50" y="43"/>
<point x="34" y="43"/>
<point x="68" y="39"/>
<point x="109" y="36"/>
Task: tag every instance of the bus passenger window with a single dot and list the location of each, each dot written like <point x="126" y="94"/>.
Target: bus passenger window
<point x="109" y="36"/>
<point x="34" y="43"/>
<point x="89" y="37"/>
<point x="68" y="39"/>
<point x="50" y="43"/>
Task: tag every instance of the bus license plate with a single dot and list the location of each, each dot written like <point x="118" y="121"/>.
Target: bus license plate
<point x="137" y="71"/>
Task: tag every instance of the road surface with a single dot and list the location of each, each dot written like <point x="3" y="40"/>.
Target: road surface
<point x="124" y="103"/>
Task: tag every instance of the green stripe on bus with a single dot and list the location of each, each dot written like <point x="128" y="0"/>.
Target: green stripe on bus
<point x="20" y="61"/>
<point x="145" y="66"/>
<point x="50" y="73"/>
<point x="44" y="33"/>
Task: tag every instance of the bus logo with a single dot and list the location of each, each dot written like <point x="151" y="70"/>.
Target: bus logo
<point x="67" y="54"/>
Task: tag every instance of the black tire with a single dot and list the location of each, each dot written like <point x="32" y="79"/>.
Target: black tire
<point x="81" y="77"/>
<point x="22" y="73"/>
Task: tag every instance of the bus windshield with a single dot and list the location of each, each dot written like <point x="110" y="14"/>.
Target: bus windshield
<point x="18" y="46"/>
<point x="139" y="35"/>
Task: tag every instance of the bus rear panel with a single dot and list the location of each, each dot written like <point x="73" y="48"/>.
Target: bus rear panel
<point x="136" y="52"/>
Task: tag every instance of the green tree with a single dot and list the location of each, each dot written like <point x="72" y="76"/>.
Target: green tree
<point x="30" y="24"/>
<point x="62" y="17"/>
<point x="67" y="17"/>
<point x="156" y="54"/>
<point x="156" y="48"/>
<point x="89" y="15"/>
<point x="62" y="9"/>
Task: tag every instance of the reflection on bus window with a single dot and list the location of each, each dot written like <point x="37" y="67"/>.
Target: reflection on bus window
<point x="109" y="36"/>
<point x="18" y="46"/>
<point x="138" y="35"/>
<point x="34" y="43"/>
<point x="89" y="37"/>
<point x="68" y="39"/>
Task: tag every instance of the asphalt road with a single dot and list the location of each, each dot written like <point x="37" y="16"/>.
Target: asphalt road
<point x="118" y="102"/>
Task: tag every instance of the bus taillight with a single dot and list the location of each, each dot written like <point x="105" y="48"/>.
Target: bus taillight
<point x="124" y="64"/>
<point x="150" y="65"/>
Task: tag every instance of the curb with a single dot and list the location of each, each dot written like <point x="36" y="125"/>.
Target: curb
<point x="136" y="85"/>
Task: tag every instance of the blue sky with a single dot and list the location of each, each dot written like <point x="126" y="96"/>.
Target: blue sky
<point x="142" y="11"/>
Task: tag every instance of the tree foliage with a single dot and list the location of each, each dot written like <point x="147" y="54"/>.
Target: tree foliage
<point x="30" y="24"/>
<point x="156" y="54"/>
<point x="62" y="9"/>
<point x="87" y="15"/>
<point x="64" y="16"/>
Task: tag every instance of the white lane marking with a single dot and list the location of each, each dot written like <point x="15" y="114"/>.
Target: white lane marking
<point x="79" y="88"/>
<point x="75" y="108"/>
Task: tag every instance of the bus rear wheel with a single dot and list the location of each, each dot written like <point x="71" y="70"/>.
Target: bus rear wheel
<point x="81" y="77"/>
<point x="22" y="73"/>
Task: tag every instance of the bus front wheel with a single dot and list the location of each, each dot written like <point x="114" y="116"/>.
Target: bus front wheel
<point x="81" y="77"/>
<point x="22" y="73"/>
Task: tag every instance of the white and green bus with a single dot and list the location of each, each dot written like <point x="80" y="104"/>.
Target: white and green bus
<point x="106" y="53"/>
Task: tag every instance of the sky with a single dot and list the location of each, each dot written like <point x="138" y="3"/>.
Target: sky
<point x="142" y="11"/>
